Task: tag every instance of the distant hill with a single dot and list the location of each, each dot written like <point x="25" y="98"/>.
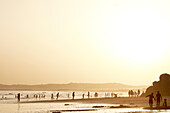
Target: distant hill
<point x="163" y="86"/>
<point x="73" y="86"/>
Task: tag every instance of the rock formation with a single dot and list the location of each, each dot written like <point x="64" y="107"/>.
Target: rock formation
<point x="163" y="86"/>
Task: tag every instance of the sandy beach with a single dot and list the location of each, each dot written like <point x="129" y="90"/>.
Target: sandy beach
<point x="94" y="105"/>
<point x="136" y="101"/>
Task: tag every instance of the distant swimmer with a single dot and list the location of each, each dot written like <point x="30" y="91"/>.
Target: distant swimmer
<point x="151" y="97"/>
<point x="96" y="95"/>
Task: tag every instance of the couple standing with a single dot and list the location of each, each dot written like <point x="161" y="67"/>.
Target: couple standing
<point x="158" y="99"/>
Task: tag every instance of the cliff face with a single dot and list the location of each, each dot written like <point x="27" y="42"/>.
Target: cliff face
<point x="163" y="86"/>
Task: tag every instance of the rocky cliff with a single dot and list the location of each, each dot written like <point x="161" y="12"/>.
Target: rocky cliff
<point x="163" y="85"/>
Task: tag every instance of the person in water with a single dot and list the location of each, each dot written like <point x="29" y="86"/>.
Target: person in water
<point x="151" y="97"/>
<point x="158" y="99"/>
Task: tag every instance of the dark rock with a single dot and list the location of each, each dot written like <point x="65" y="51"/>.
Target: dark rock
<point x="163" y="86"/>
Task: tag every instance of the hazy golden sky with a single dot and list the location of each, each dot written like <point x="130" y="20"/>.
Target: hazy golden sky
<point x="96" y="41"/>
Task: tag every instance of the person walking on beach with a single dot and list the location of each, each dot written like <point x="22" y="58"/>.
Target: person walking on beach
<point x="88" y="94"/>
<point x="83" y="96"/>
<point x="129" y="93"/>
<point x="112" y="94"/>
<point x="73" y="94"/>
<point x="52" y="96"/>
<point x="57" y="95"/>
<point x="27" y="96"/>
<point x="115" y="95"/>
<point x="36" y="96"/>
<point x="18" y="96"/>
<point x="151" y="97"/>
<point x="138" y="92"/>
<point x="158" y="99"/>
<point x="68" y="95"/>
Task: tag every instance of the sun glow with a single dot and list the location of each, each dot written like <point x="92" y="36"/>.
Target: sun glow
<point x="139" y="35"/>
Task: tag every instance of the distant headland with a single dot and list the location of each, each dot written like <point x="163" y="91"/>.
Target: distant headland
<point x="73" y="87"/>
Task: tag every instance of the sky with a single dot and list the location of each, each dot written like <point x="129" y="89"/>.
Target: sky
<point x="84" y="41"/>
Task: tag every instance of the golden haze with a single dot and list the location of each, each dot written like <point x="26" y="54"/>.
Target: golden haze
<point x="61" y="41"/>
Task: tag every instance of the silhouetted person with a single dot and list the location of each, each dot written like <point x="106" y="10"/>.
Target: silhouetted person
<point x="44" y="95"/>
<point x="96" y="95"/>
<point x="36" y="96"/>
<point x="52" y="96"/>
<point x="73" y="95"/>
<point x="115" y="95"/>
<point x="68" y="95"/>
<point x="83" y="95"/>
<point x="138" y="92"/>
<point x="143" y="92"/>
<point x="135" y="93"/>
<point x="19" y="96"/>
<point x="88" y="95"/>
<point x="151" y="97"/>
<point x="158" y="99"/>
<point x="165" y="103"/>
<point x="57" y="95"/>
<point x="27" y="96"/>
<point x="129" y="93"/>
<point x="112" y="94"/>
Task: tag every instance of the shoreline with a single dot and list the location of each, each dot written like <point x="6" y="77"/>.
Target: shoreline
<point x="131" y="101"/>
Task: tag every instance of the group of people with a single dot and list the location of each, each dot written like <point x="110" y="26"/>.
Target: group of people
<point x="111" y="94"/>
<point x="52" y="96"/>
<point x="132" y="93"/>
<point x="73" y="95"/>
<point x="38" y="96"/>
<point x="56" y="96"/>
<point x="158" y="99"/>
<point x="83" y="95"/>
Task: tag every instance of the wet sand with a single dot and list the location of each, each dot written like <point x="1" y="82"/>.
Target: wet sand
<point x="135" y="101"/>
